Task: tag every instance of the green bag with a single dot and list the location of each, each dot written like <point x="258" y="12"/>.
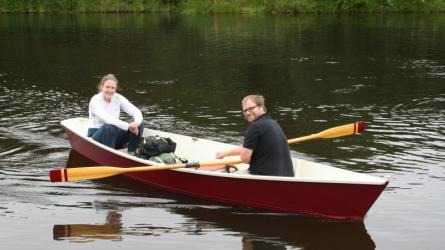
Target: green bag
<point x="167" y="158"/>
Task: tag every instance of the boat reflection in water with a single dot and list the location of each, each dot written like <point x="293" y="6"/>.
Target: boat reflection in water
<point x="259" y="229"/>
<point x="111" y="230"/>
<point x="264" y="229"/>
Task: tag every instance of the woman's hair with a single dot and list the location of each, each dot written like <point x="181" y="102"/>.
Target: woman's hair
<point x="257" y="99"/>
<point x="106" y="78"/>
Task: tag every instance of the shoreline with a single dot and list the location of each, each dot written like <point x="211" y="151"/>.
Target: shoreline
<point x="252" y="7"/>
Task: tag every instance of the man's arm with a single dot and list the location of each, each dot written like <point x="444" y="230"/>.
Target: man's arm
<point x="244" y="153"/>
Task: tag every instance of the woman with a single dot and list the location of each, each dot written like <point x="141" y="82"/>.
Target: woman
<point x="104" y="112"/>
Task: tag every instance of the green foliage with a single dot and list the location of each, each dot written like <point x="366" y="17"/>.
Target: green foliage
<point x="212" y="6"/>
<point x="198" y="6"/>
<point x="223" y="6"/>
<point x="230" y="6"/>
<point x="296" y="6"/>
<point x="71" y="6"/>
<point x="372" y="6"/>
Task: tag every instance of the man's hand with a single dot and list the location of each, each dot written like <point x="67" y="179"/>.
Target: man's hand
<point x="230" y="152"/>
<point x="220" y="155"/>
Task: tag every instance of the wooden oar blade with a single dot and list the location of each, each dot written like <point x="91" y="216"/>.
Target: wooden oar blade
<point x="360" y="126"/>
<point x="86" y="173"/>
<point x="349" y="129"/>
<point x="55" y="175"/>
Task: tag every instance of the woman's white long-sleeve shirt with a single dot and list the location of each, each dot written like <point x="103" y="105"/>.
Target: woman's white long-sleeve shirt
<point x="102" y="112"/>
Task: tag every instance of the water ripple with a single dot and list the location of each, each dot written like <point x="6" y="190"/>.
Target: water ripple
<point x="424" y="68"/>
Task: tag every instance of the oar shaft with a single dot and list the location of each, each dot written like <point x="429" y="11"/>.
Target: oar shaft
<point x="301" y="139"/>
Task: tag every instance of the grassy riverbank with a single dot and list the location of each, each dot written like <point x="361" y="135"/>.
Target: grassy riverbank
<point x="223" y="6"/>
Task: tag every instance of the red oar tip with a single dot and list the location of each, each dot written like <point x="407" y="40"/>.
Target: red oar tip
<point x="55" y="175"/>
<point x="360" y="126"/>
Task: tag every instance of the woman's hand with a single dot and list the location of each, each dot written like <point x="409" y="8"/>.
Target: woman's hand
<point x="133" y="128"/>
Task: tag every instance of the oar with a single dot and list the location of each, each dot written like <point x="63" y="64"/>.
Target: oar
<point x="344" y="130"/>
<point x="89" y="173"/>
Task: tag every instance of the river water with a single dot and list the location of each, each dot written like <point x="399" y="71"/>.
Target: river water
<point x="188" y="74"/>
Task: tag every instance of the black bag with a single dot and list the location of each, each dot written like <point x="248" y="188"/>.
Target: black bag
<point x="153" y="146"/>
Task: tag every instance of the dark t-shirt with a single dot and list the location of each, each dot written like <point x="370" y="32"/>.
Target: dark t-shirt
<point x="271" y="154"/>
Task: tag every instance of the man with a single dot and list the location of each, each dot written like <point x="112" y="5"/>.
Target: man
<point x="265" y="146"/>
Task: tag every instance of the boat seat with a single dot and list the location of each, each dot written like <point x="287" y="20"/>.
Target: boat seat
<point x="242" y="169"/>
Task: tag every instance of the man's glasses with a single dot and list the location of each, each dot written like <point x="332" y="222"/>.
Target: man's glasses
<point x="249" y="109"/>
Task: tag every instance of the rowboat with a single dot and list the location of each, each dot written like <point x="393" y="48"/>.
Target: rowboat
<point x="316" y="190"/>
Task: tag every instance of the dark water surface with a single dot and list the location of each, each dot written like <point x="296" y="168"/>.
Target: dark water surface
<point x="188" y="74"/>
